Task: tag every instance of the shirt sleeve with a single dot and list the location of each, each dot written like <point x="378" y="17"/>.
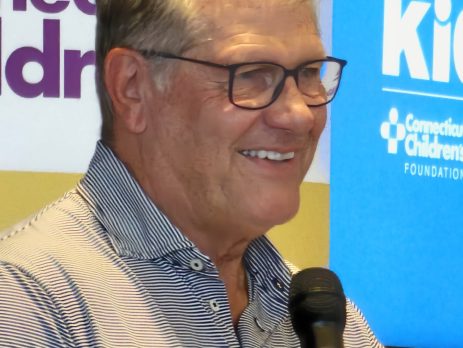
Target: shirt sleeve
<point x="28" y="317"/>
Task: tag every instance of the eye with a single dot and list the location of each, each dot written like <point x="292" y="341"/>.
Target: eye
<point x="309" y="73"/>
<point x="258" y="75"/>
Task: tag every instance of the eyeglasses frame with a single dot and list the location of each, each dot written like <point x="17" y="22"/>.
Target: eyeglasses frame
<point x="233" y="67"/>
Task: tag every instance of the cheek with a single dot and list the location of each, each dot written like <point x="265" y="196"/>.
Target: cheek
<point x="320" y="115"/>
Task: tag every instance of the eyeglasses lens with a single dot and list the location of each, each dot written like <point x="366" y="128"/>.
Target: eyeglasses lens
<point x="258" y="85"/>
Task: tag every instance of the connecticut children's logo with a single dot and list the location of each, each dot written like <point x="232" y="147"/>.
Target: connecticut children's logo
<point x="431" y="148"/>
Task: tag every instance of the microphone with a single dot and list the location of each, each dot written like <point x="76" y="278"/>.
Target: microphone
<point x="317" y="305"/>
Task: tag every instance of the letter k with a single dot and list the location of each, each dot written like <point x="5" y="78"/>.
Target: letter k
<point x="401" y="35"/>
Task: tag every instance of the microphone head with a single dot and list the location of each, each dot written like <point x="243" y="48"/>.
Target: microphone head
<point x="316" y="296"/>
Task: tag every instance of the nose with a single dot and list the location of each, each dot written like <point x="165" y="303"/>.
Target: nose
<point x="290" y="111"/>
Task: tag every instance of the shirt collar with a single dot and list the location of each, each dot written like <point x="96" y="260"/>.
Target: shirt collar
<point x="272" y="276"/>
<point x="136" y="227"/>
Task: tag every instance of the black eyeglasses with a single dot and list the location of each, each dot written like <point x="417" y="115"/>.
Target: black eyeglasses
<point x="256" y="85"/>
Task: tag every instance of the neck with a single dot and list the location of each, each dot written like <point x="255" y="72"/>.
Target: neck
<point x="233" y="273"/>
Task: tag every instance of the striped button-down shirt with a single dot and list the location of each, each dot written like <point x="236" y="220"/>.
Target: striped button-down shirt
<point x="103" y="267"/>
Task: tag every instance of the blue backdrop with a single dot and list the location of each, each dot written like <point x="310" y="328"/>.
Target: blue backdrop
<point x="397" y="167"/>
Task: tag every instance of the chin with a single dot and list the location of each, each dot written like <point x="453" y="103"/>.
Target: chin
<point x="287" y="215"/>
<point x="277" y="211"/>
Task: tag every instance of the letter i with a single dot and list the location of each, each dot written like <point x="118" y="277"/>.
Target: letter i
<point x="19" y="5"/>
<point x="442" y="41"/>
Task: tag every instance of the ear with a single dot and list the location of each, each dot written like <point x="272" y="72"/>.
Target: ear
<point x="126" y="79"/>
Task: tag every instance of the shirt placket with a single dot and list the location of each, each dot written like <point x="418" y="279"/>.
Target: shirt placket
<point x="209" y="290"/>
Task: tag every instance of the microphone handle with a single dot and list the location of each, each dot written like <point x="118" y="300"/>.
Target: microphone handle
<point x="324" y="335"/>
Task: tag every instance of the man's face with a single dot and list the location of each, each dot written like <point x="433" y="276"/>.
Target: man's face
<point x="204" y="144"/>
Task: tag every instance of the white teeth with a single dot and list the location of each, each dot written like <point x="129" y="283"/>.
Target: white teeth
<point x="271" y="155"/>
<point x="262" y="154"/>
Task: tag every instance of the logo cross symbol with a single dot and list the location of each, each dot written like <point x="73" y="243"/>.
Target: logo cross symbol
<point x="393" y="131"/>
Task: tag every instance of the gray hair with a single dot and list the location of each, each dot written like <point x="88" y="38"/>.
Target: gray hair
<point x="172" y="26"/>
<point x="165" y="25"/>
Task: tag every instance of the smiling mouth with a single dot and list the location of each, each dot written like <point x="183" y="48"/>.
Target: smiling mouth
<point x="268" y="155"/>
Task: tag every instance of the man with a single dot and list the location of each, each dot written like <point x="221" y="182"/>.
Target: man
<point x="211" y="115"/>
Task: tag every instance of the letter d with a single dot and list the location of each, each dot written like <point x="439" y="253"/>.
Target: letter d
<point x="48" y="58"/>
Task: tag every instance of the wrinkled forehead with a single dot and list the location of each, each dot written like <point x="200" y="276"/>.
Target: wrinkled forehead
<point x="250" y="4"/>
<point x="273" y="16"/>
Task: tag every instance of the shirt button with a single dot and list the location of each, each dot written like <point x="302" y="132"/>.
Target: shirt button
<point x="277" y="283"/>
<point x="214" y="305"/>
<point x="196" y="265"/>
<point x="258" y="324"/>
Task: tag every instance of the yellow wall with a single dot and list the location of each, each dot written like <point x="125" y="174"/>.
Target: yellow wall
<point x="303" y="241"/>
<point x="22" y="194"/>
